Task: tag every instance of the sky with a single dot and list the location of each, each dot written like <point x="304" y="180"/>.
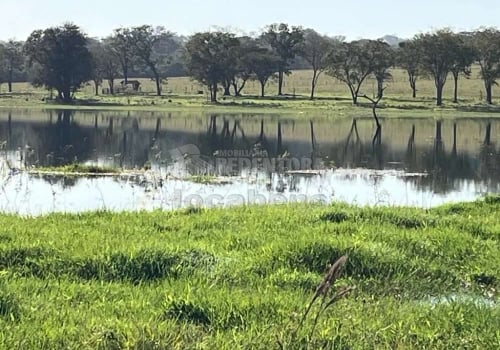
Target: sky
<point x="354" y="19"/>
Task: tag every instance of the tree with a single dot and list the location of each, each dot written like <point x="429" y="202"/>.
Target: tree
<point x="238" y="64"/>
<point x="2" y="73"/>
<point x="436" y="59"/>
<point x="317" y="50"/>
<point x="383" y="58"/>
<point x="233" y="55"/>
<point x="2" y="68"/>
<point x="110" y="65"/>
<point x="11" y="60"/>
<point x="97" y="52"/>
<point x="352" y="63"/>
<point x="149" y="47"/>
<point x="244" y="56"/>
<point x="408" y="58"/>
<point x="207" y="60"/>
<point x="263" y="64"/>
<point x="60" y="58"/>
<point x="121" y="43"/>
<point x="487" y="50"/>
<point x="463" y="54"/>
<point x="287" y="42"/>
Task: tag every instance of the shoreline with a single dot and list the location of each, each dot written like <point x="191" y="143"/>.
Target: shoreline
<point x="318" y="108"/>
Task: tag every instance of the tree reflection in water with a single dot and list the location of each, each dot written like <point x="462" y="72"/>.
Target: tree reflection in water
<point x="135" y="140"/>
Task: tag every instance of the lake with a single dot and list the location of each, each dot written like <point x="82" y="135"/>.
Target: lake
<point x="175" y="160"/>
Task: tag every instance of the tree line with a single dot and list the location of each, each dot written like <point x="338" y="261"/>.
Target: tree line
<point x="63" y="58"/>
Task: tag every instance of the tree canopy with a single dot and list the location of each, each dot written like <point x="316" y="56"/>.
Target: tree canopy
<point x="436" y="57"/>
<point x="150" y="47"/>
<point x="59" y="59"/>
<point x="317" y="50"/>
<point x="287" y="42"/>
<point x="383" y="59"/>
<point x="207" y="60"/>
<point x="352" y="63"/>
<point x="486" y="43"/>
<point x="408" y="58"/>
<point x="63" y="58"/>
<point x="463" y="57"/>
<point x="11" y="61"/>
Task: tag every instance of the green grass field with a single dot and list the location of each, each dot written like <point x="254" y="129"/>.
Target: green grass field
<point x="241" y="278"/>
<point x="333" y="97"/>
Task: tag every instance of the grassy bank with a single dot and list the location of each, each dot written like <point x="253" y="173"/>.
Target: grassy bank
<point x="333" y="98"/>
<point x="299" y="106"/>
<point x="242" y="278"/>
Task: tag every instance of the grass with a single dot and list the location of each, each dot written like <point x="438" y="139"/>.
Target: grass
<point x="333" y="99"/>
<point x="202" y="179"/>
<point x="77" y="168"/>
<point x="241" y="278"/>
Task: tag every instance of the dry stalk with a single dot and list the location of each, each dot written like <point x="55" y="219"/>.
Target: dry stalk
<point x="324" y="287"/>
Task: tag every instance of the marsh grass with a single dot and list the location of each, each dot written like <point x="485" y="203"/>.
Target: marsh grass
<point x="77" y="169"/>
<point x="243" y="277"/>
<point x="202" y="179"/>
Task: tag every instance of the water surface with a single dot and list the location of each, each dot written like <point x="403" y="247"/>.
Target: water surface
<point x="223" y="160"/>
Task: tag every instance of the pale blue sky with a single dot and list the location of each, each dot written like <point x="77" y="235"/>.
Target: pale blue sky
<point x="354" y="19"/>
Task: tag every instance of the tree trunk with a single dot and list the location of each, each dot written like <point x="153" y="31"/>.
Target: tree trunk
<point x="374" y="112"/>
<point x="214" y="93"/>
<point x="489" y="99"/>
<point x="125" y="74"/>
<point x="262" y="88"/>
<point x="9" y="82"/>
<point x="238" y="91"/>
<point x="66" y="95"/>
<point x="413" y="84"/>
<point x="235" y="87"/>
<point x="455" y="91"/>
<point x="380" y="88"/>
<point x="354" y="95"/>
<point x="227" y="90"/>
<point x="158" y="84"/>
<point x="111" y="83"/>
<point x="313" y="84"/>
<point x="280" y="83"/>
<point x="487" y="138"/>
<point x="439" y="94"/>
<point x="96" y="84"/>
